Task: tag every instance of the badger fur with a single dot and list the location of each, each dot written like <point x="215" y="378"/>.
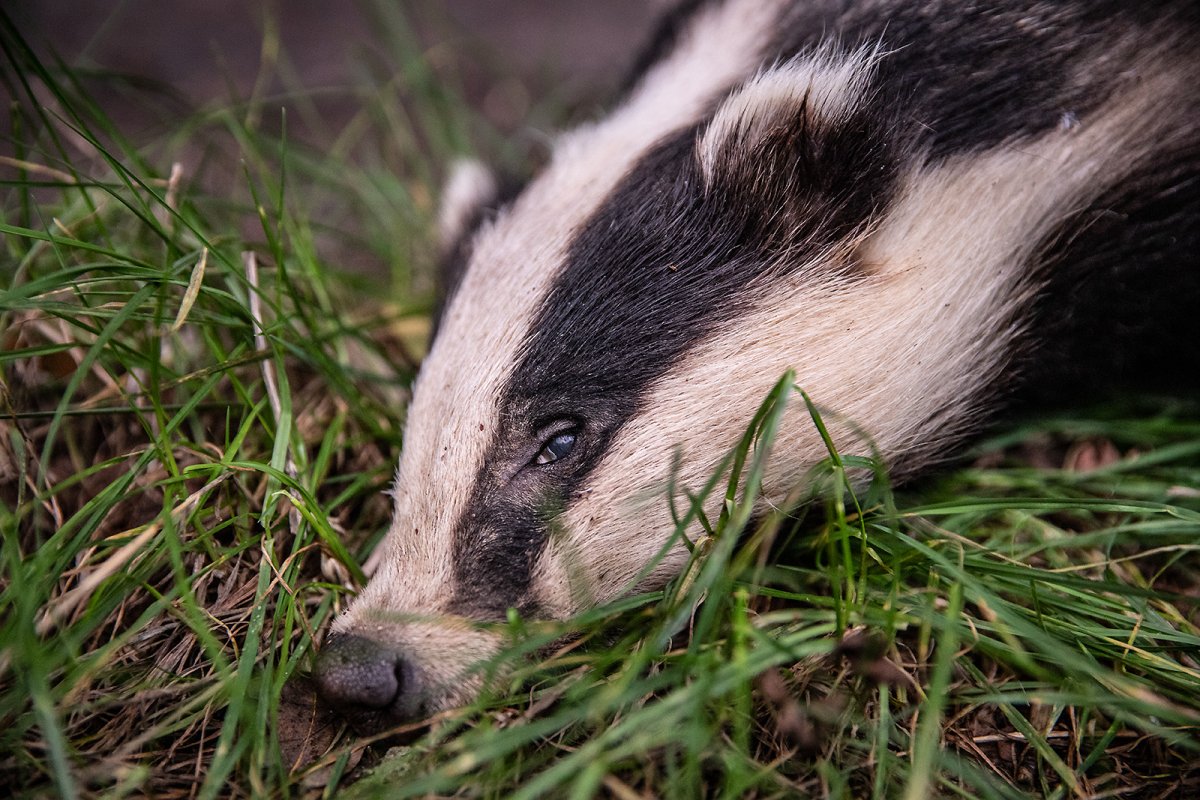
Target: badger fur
<point x="922" y="207"/>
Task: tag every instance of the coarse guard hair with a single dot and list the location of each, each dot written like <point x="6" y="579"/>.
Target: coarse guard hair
<point x="924" y="209"/>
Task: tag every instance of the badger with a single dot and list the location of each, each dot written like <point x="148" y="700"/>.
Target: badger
<point x="927" y="209"/>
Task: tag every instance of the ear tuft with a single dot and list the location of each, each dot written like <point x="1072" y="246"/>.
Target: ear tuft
<point x="804" y="97"/>
<point x="802" y="152"/>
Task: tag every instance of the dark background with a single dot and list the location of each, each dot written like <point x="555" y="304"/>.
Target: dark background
<point x="507" y="53"/>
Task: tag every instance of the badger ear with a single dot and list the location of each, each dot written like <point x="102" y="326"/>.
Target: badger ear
<point x="810" y="96"/>
<point x="469" y="189"/>
<point x="469" y="193"/>
<point x="800" y="146"/>
<point x="471" y="196"/>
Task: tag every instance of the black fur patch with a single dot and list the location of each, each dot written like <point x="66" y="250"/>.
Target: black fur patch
<point x="1121" y="307"/>
<point x="969" y="75"/>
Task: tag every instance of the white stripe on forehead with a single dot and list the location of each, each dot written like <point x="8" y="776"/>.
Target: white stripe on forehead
<point x="899" y="351"/>
<point x="513" y="265"/>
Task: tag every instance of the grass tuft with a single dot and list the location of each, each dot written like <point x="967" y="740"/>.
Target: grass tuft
<point x="198" y="416"/>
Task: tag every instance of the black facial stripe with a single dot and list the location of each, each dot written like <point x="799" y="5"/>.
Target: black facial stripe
<point x="666" y="260"/>
<point x="968" y="76"/>
<point x="493" y="571"/>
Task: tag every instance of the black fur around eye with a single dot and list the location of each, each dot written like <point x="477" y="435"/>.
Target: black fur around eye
<point x="558" y="446"/>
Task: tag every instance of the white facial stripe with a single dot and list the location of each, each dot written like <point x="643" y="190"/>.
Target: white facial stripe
<point x="513" y="265"/>
<point x="900" y="352"/>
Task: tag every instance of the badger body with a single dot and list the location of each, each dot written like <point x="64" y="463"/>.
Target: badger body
<point x="924" y="209"/>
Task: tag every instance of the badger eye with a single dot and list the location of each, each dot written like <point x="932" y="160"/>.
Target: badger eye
<point x="558" y="446"/>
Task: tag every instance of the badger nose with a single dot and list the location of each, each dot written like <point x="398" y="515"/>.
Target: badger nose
<point x="354" y="673"/>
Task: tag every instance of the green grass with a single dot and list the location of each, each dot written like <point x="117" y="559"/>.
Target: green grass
<point x="198" y="417"/>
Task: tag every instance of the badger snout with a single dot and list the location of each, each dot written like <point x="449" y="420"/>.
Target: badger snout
<point x="381" y="668"/>
<point x="367" y="683"/>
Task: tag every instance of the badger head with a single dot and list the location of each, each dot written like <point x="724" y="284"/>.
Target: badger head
<point x="617" y="323"/>
<point x="609" y="326"/>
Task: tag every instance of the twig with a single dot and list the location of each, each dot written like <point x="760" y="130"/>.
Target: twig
<point x="268" y="372"/>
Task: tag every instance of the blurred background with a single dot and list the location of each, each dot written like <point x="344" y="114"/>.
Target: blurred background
<point x="176" y="56"/>
<point x="371" y="99"/>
